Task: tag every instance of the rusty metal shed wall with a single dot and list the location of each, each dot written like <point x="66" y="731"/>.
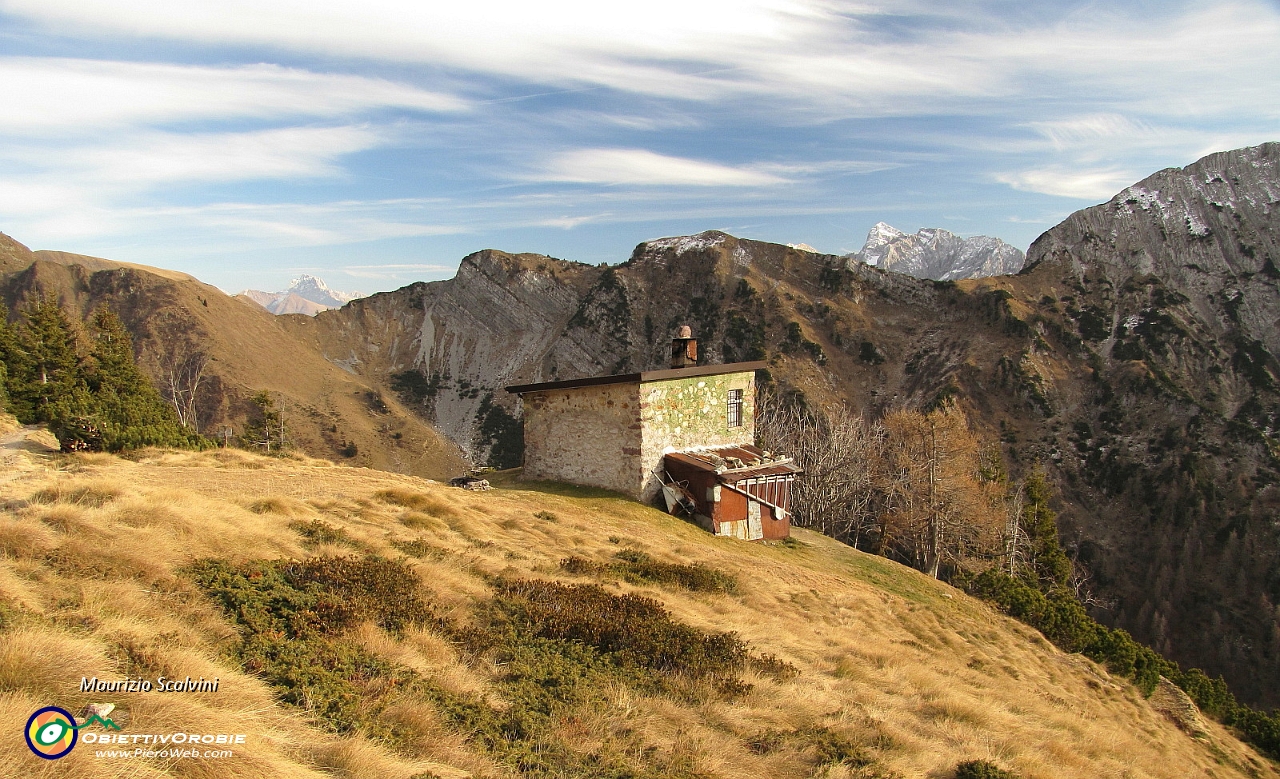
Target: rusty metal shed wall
<point x="732" y="506"/>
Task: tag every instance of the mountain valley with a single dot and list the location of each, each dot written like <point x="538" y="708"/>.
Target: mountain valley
<point x="1133" y="358"/>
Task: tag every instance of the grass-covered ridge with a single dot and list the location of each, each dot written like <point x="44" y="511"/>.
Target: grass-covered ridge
<point x="368" y="624"/>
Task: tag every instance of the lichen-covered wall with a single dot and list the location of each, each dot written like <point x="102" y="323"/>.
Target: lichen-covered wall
<point x="685" y="413"/>
<point x="585" y="435"/>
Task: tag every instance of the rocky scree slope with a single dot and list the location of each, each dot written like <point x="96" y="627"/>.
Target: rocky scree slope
<point x="1132" y="358"/>
<point x="934" y="253"/>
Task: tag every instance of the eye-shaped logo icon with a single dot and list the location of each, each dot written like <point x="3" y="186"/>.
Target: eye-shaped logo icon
<point x="51" y="732"/>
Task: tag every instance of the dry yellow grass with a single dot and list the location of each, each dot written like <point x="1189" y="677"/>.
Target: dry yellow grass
<point x="918" y="673"/>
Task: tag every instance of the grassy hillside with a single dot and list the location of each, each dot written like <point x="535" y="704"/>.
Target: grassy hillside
<point x="173" y="318"/>
<point x="854" y="666"/>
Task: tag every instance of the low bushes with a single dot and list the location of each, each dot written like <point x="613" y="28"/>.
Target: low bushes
<point x="292" y="616"/>
<point x="630" y="630"/>
<point x="639" y="568"/>
<point x="828" y="747"/>
<point x="1062" y="619"/>
<point x="557" y="647"/>
<point x="981" y="769"/>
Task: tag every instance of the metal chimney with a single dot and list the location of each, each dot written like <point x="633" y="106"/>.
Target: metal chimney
<point x="684" y="348"/>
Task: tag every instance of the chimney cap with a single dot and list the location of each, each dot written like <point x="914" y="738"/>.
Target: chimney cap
<point x="684" y="332"/>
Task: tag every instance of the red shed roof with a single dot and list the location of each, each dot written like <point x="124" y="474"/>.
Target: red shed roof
<point x="735" y="463"/>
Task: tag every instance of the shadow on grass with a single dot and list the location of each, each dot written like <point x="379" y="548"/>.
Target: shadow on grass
<point x="510" y="480"/>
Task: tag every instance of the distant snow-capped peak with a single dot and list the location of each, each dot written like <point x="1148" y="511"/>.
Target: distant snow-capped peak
<point x="314" y="289"/>
<point x="306" y="294"/>
<point x="934" y="253"/>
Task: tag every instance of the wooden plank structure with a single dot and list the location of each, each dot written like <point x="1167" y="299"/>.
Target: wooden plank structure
<point x="736" y="491"/>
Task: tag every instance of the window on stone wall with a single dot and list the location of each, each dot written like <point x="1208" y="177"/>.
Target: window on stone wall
<point x="735" y="408"/>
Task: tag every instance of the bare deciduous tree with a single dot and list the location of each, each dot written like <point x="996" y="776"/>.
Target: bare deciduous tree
<point x="912" y="485"/>
<point x="182" y="367"/>
<point x="834" y="447"/>
<point x="939" y="509"/>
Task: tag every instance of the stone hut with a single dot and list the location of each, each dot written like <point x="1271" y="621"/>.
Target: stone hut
<point x="619" y="432"/>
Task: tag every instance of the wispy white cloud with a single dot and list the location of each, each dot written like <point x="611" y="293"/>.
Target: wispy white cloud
<point x="1068" y="182"/>
<point x="51" y="96"/>
<point x="1072" y="131"/>
<point x="826" y="167"/>
<point x="569" y="222"/>
<point x="395" y="271"/>
<point x="830" y="57"/>
<point x="146" y="159"/>
<point x="646" y="168"/>
<point x="399" y="266"/>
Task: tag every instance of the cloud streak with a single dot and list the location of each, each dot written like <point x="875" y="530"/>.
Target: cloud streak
<point x="52" y="96"/>
<point x="646" y="168"/>
<point x="339" y="124"/>
<point x="832" y="58"/>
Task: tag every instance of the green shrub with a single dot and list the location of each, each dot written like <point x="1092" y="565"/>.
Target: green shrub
<point x="981" y="769"/>
<point x="827" y="747"/>
<point x="771" y="665"/>
<point x="630" y="629"/>
<point x="639" y="568"/>
<point x="420" y="549"/>
<point x="291" y="617"/>
<point x="317" y="532"/>
<point x="367" y="588"/>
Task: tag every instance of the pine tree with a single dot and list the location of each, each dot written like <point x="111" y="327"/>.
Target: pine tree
<point x="127" y="411"/>
<point x="1039" y="524"/>
<point x="8" y="357"/>
<point x="265" y="429"/>
<point x="46" y="378"/>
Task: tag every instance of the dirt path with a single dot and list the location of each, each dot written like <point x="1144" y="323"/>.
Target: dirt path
<point x="24" y="449"/>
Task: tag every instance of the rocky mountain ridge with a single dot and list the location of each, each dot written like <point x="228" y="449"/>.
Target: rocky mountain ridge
<point x="1133" y="358"/>
<point x="934" y="253"/>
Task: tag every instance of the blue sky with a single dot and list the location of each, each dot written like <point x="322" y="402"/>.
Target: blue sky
<point x="375" y="143"/>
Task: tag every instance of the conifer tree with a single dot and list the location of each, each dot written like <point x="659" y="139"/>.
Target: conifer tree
<point x="46" y="379"/>
<point x="1048" y="563"/>
<point x="8" y="356"/>
<point x="127" y="411"/>
<point x="265" y="429"/>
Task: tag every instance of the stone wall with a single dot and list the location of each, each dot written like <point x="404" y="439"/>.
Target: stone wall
<point x="685" y="413"/>
<point x="585" y="435"/>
